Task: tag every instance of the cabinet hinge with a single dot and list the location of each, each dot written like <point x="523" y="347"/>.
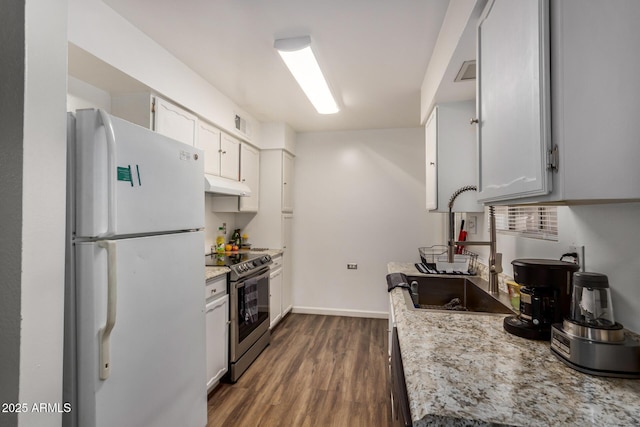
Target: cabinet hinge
<point x="553" y="159"/>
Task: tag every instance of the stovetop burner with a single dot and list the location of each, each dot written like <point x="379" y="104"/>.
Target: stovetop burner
<point x="241" y="264"/>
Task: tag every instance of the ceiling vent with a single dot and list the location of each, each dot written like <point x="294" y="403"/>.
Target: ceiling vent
<point x="467" y="71"/>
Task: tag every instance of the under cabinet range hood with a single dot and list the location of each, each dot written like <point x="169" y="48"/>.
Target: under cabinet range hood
<point x="224" y="186"/>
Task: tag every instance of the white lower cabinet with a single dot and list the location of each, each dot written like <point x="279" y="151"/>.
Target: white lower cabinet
<point x="287" y="283"/>
<point x="275" y="292"/>
<point x="217" y="331"/>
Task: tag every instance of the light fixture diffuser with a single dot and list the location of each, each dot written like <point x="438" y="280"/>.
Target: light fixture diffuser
<point x="297" y="55"/>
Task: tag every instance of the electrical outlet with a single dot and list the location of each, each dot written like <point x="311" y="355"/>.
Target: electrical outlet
<point x="579" y="249"/>
<point x="472" y="224"/>
<point x="352" y="266"/>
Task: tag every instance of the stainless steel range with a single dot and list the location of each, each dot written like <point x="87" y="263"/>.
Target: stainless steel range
<point x="249" y="307"/>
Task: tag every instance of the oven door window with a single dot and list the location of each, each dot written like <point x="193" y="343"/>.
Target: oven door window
<point x="253" y="305"/>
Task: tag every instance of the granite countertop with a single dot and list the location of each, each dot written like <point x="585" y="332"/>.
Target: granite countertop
<point x="463" y="369"/>
<point x="213" y="272"/>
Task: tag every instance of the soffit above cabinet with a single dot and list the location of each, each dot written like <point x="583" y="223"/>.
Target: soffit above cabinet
<point x="86" y="67"/>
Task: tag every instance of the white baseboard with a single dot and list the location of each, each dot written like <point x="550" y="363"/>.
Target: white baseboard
<point x="341" y="312"/>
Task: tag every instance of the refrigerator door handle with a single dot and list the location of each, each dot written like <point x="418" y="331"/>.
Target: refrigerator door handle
<point x="105" y="332"/>
<point x="112" y="168"/>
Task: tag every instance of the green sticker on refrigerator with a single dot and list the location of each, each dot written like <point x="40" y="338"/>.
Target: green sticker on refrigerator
<point x="124" y="174"/>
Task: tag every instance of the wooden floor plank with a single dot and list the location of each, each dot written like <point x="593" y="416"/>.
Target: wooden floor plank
<point x="317" y="371"/>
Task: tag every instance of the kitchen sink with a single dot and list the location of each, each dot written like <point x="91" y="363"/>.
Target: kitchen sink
<point x="453" y="294"/>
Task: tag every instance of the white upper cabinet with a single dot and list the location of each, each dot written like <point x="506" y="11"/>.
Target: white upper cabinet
<point x="175" y="122"/>
<point x="287" y="181"/>
<point x="209" y="142"/>
<point x="584" y="147"/>
<point x="229" y="157"/>
<point x="451" y="158"/>
<point x="431" y="158"/>
<point x="513" y="100"/>
<point x="250" y="175"/>
<point x="221" y="152"/>
<point x="155" y="113"/>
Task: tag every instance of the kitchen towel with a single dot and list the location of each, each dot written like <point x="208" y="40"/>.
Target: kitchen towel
<point x="396" y="280"/>
<point x="251" y="301"/>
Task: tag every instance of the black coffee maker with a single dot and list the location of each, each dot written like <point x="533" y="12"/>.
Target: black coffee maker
<point x="545" y="296"/>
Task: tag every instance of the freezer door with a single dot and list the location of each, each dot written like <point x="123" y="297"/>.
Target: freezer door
<point x="155" y="351"/>
<point x="130" y="180"/>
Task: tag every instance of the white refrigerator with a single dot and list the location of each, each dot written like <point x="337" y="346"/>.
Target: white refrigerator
<point x="135" y="306"/>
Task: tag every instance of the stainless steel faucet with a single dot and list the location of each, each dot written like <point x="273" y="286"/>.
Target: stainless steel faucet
<point x="495" y="259"/>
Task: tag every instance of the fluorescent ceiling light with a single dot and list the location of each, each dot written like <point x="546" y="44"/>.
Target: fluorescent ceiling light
<point x="297" y="55"/>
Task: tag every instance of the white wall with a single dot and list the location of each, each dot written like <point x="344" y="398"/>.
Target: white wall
<point x="609" y="233"/>
<point x="213" y="220"/>
<point x="359" y="197"/>
<point x="83" y="95"/>
<point x="32" y="261"/>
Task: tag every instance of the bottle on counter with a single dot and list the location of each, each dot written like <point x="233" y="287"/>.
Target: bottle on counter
<point x="236" y="240"/>
<point x="220" y="240"/>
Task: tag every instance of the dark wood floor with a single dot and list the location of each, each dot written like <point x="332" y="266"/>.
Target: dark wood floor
<point x="317" y="371"/>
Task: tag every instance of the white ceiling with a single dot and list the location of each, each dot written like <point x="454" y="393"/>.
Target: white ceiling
<point x="373" y="52"/>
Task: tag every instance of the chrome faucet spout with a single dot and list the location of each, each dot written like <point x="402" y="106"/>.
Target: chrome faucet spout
<point x="495" y="259"/>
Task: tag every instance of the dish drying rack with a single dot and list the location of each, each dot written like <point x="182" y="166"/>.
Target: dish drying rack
<point x="435" y="261"/>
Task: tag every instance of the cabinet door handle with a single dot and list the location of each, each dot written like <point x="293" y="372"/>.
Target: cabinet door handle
<point x="473" y="121"/>
<point x="432" y="163"/>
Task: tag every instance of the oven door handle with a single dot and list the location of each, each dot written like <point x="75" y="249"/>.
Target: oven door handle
<point x="240" y="284"/>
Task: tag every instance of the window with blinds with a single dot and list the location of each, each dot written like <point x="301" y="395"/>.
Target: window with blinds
<point x="538" y="222"/>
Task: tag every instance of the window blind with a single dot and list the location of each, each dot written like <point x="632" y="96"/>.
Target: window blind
<point x="538" y="222"/>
